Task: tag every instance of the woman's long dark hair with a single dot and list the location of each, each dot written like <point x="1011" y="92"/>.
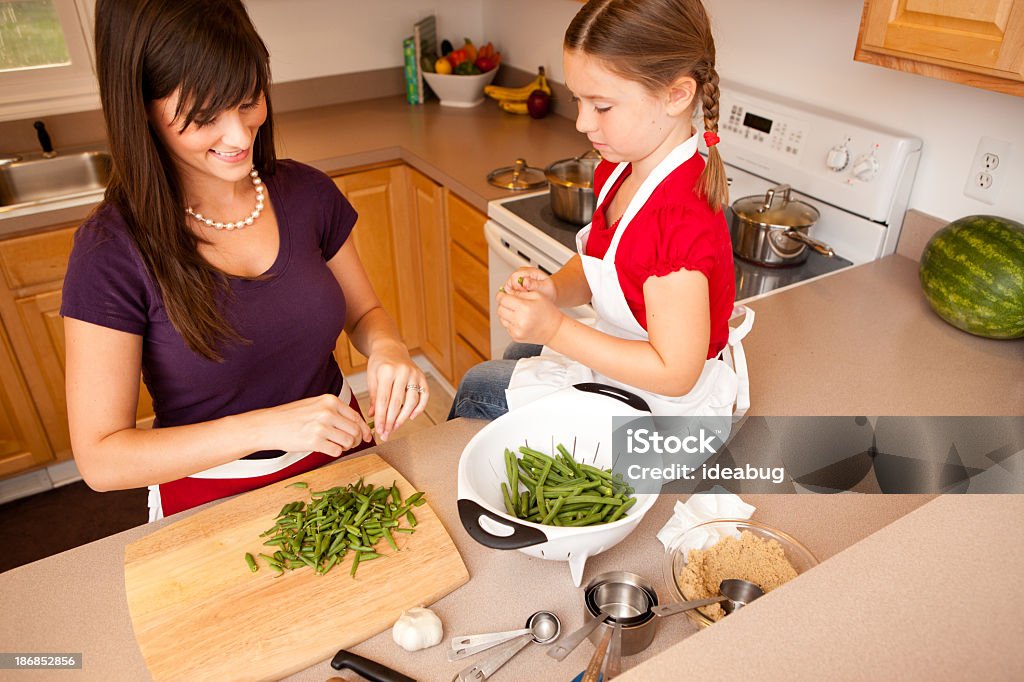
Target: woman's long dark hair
<point x="145" y="49"/>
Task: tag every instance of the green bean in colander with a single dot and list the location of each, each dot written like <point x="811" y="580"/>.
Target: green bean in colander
<point x="561" y="491"/>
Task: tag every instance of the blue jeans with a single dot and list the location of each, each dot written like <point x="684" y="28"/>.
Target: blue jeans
<point x="481" y="392"/>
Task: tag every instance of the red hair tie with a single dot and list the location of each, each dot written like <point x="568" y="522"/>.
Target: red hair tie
<point x="711" y="139"/>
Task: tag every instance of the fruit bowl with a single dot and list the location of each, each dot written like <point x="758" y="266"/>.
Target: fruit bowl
<point x="460" y="91"/>
<point x="708" y="534"/>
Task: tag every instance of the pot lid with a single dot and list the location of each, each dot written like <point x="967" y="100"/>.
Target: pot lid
<point x="518" y="176"/>
<point x="776" y="208"/>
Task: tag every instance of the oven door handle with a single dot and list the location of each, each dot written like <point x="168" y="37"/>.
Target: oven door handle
<point x="514" y="251"/>
<point x="509" y="253"/>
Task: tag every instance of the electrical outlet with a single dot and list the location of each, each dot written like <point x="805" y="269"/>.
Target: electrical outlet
<point x="985" y="179"/>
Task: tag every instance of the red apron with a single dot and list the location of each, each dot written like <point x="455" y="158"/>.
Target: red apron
<point x="238" y="476"/>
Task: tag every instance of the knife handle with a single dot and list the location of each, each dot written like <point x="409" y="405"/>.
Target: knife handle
<point x="371" y="670"/>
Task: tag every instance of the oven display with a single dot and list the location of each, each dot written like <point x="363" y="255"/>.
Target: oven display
<point x="757" y="123"/>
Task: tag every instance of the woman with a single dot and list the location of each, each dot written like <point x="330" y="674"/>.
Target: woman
<point x="225" y="275"/>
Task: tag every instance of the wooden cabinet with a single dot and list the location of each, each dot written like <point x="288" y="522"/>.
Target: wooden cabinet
<point x="425" y="253"/>
<point x="428" y="199"/>
<point x="22" y="441"/>
<point x="470" y="295"/>
<point x="978" y="43"/>
<point x="32" y="269"/>
<point x="383" y="234"/>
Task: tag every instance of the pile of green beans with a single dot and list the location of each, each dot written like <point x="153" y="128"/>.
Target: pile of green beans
<point x="556" y="490"/>
<point x="319" y="534"/>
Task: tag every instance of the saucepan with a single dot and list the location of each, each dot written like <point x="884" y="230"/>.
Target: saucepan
<point x="773" y="229"/>
<point x="572" y="187"/>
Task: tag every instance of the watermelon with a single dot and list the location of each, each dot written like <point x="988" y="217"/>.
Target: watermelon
<point x="972" y="271"/>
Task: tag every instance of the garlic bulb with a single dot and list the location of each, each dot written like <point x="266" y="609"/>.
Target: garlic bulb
<point x="417" y="628"/>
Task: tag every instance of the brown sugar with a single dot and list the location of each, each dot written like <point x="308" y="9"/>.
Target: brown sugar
<point x="761" y="561"/>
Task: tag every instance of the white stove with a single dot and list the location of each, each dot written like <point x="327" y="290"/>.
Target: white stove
<point x="857" y="174"/>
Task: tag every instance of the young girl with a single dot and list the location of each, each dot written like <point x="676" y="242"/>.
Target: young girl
<point x="223" y="274"/>
<point x="656" y="262"/>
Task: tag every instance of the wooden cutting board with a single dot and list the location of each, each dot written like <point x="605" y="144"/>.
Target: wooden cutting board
<point x="199" y="613"/>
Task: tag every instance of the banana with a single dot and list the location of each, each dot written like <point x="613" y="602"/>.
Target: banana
<point x="513" y="107"/>
<point x="520" y="94"/>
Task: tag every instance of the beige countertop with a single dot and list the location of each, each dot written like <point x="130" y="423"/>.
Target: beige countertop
<point x="75" y="601"/>
<point x="864" y="341"/>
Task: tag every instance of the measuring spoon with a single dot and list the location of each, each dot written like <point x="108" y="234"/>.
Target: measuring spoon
<point x="544" y="627"/>
<point x="468" y="645"/>
<point x="734" y="594"/>
<point x="560" y="651"/>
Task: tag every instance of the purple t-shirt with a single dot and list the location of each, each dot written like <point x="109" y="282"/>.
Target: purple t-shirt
<point x="292" y="318"/>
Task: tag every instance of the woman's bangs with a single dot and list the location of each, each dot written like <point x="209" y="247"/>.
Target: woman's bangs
<point x="218" y="82"/>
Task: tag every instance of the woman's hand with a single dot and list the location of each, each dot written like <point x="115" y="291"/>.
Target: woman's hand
<point x="322" y="423"/>
<point x="398" y="388"/>
<point x="529" y="316"/>
<point x="533" y="279"/>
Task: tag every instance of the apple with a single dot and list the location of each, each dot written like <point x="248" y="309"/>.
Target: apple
<point x="538" y="103"/>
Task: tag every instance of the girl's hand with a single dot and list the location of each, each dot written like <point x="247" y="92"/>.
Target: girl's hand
<point x="529" y="317"/>
<point x="322" y="423"/>
<point x="390" y="373"/>
<point x="533" y="279"/>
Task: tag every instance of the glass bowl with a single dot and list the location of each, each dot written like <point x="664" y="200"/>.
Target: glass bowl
<point x="708" y="534"/>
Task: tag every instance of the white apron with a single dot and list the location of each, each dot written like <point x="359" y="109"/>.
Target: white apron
<point x="723" y="388"/>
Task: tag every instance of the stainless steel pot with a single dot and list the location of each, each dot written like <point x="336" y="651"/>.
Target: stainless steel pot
<point x="572" y="187"/>
<point x="769" y="231"/>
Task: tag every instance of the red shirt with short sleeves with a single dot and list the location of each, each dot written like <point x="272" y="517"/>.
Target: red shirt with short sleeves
<point x="674" y="230"/>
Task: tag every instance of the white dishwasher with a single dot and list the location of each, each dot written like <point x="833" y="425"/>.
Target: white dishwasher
<point x="507" y="252"/>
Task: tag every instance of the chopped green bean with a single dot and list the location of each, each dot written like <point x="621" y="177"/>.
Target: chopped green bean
<point x="320" y="532"/>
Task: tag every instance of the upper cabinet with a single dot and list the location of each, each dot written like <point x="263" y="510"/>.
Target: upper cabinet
<point x="978" y="43"/>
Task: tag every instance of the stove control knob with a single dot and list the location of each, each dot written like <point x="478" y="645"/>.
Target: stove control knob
<point x="838" y="158"/>
<point x="865" y="168"/>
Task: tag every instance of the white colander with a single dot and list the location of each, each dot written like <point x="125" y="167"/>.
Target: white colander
<point x="580" y="418"/>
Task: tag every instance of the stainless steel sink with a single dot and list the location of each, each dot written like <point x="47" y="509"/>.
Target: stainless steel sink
<point x="34" y="180"/>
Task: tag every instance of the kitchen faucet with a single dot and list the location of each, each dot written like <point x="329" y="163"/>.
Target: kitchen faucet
<point x="44" y="140"/>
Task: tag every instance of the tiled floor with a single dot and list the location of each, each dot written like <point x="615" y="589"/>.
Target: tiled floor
<point x="39" y="526"/>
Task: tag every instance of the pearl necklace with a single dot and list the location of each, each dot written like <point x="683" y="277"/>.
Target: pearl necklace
<point x="238" y="225"/>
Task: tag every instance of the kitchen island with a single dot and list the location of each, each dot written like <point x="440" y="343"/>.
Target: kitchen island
<point x="852" y="610"/>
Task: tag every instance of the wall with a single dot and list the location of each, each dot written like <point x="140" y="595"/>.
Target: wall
<point x="529" y="32"/>
<point x="311" y="38"/>
<point x="803" y="49"/>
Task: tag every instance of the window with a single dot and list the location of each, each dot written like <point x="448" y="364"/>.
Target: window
<point x="45" y="59"/>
